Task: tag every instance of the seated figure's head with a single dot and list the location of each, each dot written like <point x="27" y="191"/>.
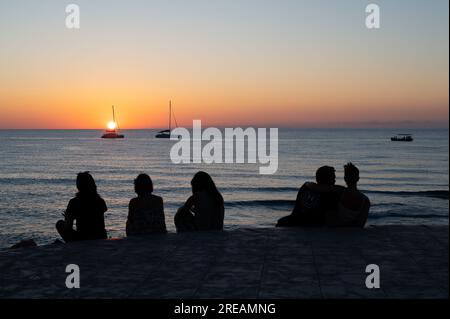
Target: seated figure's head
<point x="143" y="185"/>
<point x="351" y="174"/>
<point x="202" y="181"/>
<point x="325" y="175"/>
<point x="86" y="184"/>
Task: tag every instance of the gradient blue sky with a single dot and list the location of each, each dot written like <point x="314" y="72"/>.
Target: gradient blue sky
<point x="235" y="62"/>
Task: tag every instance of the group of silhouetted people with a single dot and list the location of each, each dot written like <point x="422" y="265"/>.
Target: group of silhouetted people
<point x="325" y="204"/>
<point x="204" y="210"/>
<point x="318" y="204"/>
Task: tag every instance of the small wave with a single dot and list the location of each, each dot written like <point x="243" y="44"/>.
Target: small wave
<point x="391" y="205"/>
<point x="291" y="203"/>
<point x="403" y="215"/>
<point x="262" y="202"/>
<point x="443" y="194"/>
<point x="27" y="181"/>
<point x="260" y="189"/>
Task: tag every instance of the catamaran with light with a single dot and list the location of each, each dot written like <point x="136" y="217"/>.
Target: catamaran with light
<point x="113" y="129"/>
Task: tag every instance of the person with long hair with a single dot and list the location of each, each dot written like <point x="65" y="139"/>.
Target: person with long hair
<point x="146" y="211"/>
<point x="204" y="210"/>
<point x="87" y="210"/>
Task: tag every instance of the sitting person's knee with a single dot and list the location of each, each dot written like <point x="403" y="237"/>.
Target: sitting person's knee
<point x="60" y="225"/>
<point x="288" y="221"/>
<point x="282" y="221"/>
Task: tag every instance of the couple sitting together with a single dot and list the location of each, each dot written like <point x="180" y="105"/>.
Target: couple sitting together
<point x="204" y="210"/>
<point x="325" y="204"/>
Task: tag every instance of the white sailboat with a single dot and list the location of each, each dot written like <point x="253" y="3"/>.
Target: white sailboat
<point x="166" y="133"/>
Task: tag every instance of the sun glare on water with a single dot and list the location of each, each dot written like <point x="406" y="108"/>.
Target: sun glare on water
<point x="112" y="126"/>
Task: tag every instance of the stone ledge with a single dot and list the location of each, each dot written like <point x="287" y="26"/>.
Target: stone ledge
<point x="245" y="263"/>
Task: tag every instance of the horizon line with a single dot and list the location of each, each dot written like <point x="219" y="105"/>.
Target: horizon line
<point x="238" y="126"/>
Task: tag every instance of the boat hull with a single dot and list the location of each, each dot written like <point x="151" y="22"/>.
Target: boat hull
<point x="112" y="136"/>
<point x="168" y="136"/>
<point x="162" y="135"/>
<point x="393" y="139"/>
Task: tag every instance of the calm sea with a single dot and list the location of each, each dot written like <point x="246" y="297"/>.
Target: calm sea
<point x="408" y="183"/>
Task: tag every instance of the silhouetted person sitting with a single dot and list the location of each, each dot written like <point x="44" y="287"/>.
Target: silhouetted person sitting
<point x="311" y="204"/>
<point x="87" y="208"/>
<point x="353" y="206"/>
<point x="146" y="211"/>
<point x="204" y="210"/>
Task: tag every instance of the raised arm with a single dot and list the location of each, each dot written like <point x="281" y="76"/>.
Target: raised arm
<point x="190" y="203"/>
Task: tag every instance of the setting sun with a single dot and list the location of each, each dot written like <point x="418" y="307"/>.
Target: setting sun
<point x="112" y="125"/>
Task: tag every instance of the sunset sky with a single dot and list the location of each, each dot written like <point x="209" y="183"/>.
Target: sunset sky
<point x="276" y="63"/>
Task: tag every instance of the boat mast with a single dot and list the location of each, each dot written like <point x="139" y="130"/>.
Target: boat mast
<point x="170" y="115"/>
<point x="114" y="118"/>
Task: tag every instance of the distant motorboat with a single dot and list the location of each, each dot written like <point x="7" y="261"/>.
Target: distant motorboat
<point x="402" y="138"/>
<point x="167" y="133"/>
<point x="113" y="129"/>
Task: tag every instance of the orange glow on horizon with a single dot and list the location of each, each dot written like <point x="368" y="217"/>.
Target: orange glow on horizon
<point x="263" y="66"/>
<point x="297" y="101"/>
